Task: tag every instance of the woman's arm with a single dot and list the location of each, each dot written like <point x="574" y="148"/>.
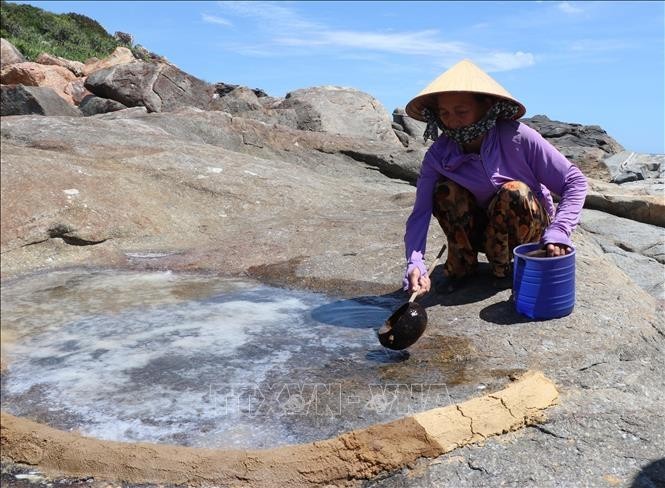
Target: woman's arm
<point x="560" y="176"/>
<point x="417" y="225"/>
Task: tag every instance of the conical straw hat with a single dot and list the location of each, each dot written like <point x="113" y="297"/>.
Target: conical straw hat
<point x="463" y="77"/>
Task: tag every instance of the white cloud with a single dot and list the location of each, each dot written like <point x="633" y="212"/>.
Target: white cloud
<point x="418" y="43"/>
<point x="272" y="15"/>
<point x="600" y="45"/>
<point x="288" y="29"/>
<point x="214" y="19"/>
<point x="569" y="8"/>
<point x="500" y="61"/>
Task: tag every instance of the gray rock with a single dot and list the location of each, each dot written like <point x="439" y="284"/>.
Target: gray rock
<point x="236" y="196"/>
<point x="629" y="166"/>
<point x="636" y="248"/>
<point x="92" y="105"/>
<point x="235" y="101"/>
<point x="223" y="89"/>
<point x="640" y="200"/>
<point x="9" y="54"/>
<point x="75" y="67"/>
<point x="413" y="127"/>
<point x="403" y="137"/>
<point x="584" y="145"/>
<point x="157" y="86"/>
<point x="243" y="102"/>
<point x="338" y="110"/>
<point x="124" y="114"/>
<point x="26" y="100"/>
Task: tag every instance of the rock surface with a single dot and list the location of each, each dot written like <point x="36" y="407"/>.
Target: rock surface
<point x="92" y="105"/>
<point x="626" y="167"/>
<point x="643" y="201"/>
<point x="24" y="100"/>
<point x="121" y="55"/>
<point x="412" y="127"/>
<point x="584" y="145"/>
<point x="338" y="110"/>
<point x="158" y="87"/>
<point x="9" y="54"/>
<point x="637" y="248"/>
<point x="227" y="194"/>
<point x="35" y="74"/>
<point x="75" y="67"/>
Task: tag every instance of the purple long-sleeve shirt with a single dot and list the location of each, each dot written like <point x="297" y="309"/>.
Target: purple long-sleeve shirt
<point x="510" y="151"/>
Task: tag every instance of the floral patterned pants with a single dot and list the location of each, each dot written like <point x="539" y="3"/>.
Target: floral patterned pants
<point x="514" y="217"/>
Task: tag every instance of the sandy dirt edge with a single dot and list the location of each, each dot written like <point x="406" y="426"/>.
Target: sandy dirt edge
<point x="355" y="455"/>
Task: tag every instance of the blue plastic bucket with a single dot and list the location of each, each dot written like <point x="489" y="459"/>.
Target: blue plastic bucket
<point x="543" y="287"/>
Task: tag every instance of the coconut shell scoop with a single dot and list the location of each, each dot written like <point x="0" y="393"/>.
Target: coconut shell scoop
<point x="405" y="326"/>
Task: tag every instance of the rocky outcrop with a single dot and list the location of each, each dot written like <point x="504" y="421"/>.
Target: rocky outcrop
<point x="75" y="67"/>
<point x="66" y="77"/>
<point x="343" y="111"/>
<point x="158" y="87"/>
<point x="235" y="101"/>
<point x="76" y="89"/>
<point x="9" y="54"/>
<point x="639" y="201"/>
<point x="294" y="191"/>
<point x="236" y="196"/>
<point x="627" y="167"/>
<point x="584" y="145"/>
<point x="636" y="248"/>
<point x="92" y="105"/>
<point x="35" y="74"/>
<point x="223" y="89"/>
<point x="121" y="55"/>
<point x="26" y="100"/>
<point x="414" y="128"/>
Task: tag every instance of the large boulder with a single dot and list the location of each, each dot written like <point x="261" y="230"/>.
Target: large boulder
<point x="158" y="87"/>
<point x="235" y="101"/>
<point x="121" y="55"/>
<point x="252" y="104"/>
<point x="9" y="54"/>
<point x="76" y="89"/>
<point x="35" y="74"/>
<point x="75" y="67"/>
<point x="584" y="145"/>
<point x="412" y="127"/>
<point x="92" y="105"/>
<point x="26" y="100"/>
<point x="344" y="111"/>
<point x="222" y="89"/>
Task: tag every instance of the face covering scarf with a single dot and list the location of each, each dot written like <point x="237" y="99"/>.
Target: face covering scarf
<point x="502" y="109"/>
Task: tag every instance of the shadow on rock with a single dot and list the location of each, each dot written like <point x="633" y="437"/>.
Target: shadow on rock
<point x="372" y="311"/>
<point x="476" y="288"/>
<point x="503" y="313"/>
<point x="650" y="476"/>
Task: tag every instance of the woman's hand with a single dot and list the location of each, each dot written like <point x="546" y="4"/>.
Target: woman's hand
<point x="418" y="283"/>
<point x="554" y="250"/>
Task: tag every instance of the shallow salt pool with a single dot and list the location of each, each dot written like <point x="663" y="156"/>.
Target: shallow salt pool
<point x="193" y="360"/>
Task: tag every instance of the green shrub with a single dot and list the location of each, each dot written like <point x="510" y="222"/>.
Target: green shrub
<point x="71" y="36"/>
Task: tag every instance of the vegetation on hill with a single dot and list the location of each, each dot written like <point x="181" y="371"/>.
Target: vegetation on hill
<point x="72" y="36"/>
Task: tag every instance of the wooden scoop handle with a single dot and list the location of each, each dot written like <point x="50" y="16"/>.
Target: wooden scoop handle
<point x="429" y="270"/>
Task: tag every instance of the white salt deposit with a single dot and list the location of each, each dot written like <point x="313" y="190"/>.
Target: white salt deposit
<point x="164" y="357"/>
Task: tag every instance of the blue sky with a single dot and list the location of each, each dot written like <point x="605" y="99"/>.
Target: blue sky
<point x="586" y="62"/>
